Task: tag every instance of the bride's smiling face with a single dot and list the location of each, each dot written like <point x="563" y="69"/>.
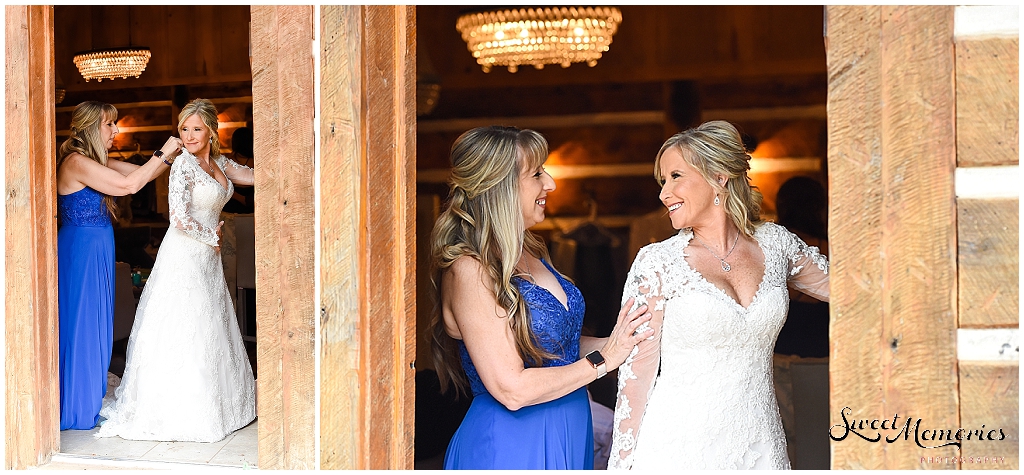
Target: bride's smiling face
<point x="195" y="135"/>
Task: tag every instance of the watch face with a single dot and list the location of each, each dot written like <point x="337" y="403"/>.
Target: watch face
<point x="595" y="358"/>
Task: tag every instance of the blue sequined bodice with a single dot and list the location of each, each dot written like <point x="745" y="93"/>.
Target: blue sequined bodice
<point x="557" y="329"/>
<point x="84" y="207"/>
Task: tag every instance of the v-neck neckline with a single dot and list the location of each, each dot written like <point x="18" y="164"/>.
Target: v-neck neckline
<point x="721" y="292"/>
<point x="565" y="306"/>
<point x="214" y="162"/>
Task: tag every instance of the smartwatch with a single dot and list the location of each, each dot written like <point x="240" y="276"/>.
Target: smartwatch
<point x="160" y="154"/>
<point x="597" y="361"/>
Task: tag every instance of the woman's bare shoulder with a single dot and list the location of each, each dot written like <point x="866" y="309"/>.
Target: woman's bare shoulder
<point x="466" y="270"/>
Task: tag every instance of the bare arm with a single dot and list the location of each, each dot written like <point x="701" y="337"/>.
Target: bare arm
<point x="484" y="329"/>
<point x="110" y="180"/>
<point x="122" y="167"/>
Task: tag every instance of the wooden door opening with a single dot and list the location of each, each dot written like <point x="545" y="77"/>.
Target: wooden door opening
<point x="282" y="39"/>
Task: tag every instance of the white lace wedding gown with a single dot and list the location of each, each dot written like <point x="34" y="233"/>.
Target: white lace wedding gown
<point x="187" y="376"/>
<point x="713" y="404"/>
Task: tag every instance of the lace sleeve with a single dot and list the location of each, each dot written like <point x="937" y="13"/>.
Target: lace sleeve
<point x="638" y="372"/>
<point x="808" y="269"/>
<point x="179" y="203"/>
<point x="238" y="174"/>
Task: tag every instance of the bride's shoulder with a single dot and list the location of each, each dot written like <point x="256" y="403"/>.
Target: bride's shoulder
<point x="672" y="245"/>
<point x="667" y="250"/>
<point x="773" y="233"/>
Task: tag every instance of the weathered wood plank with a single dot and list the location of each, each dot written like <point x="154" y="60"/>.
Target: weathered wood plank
<point x="989" y="400"/>
<point x="988" y="262"/>
<point x="987" y="101"/>
<point x="283" y="114"/>
<point x="342" y="241"/>
<point x="32" y="410"/>
<point x="919" y="281"/>
<point x="895" y="250"/>
<point x="390" y="150"/>
<point x="368" y="242"/>
<point x="854" y="161"/>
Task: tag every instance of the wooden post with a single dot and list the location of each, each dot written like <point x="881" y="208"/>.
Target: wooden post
<point x="283" y="117"/>
<point x="33" y="399"/>
<point x="368" y="257"/>
<point x="891" y="158"/>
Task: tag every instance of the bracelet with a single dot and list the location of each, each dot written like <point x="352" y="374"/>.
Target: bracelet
<point x="160" y="154"/>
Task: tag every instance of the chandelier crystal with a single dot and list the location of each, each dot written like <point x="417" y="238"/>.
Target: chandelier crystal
<point x="539" y="36"/>
<point x="112" y="63"/>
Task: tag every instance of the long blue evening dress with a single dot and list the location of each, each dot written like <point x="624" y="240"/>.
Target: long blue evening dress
<point x="557" y="434"/>
<point x="85" y="279"/>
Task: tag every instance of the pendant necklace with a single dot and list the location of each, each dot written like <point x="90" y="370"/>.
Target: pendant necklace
<point x="527" y="262"/>
<point x="725" y="265"/>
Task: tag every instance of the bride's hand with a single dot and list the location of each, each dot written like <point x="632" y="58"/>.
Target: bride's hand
<point x="219" y="233"/>
<point x="625" y="335"/>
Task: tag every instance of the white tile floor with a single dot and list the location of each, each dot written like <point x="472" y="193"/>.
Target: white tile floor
<point x="236" y="450"/>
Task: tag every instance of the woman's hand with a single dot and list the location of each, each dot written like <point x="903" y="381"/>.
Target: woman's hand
<point x="219" y="233"/>
<point x="625" y="335"/>
<point x="171" y="148"/>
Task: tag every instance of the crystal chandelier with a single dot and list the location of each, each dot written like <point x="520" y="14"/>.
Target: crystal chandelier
<point x="539" y="36"/>
<point x="112" y="63"/>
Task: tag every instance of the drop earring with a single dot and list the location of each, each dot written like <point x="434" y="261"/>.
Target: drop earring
<point x="717" y="201"/>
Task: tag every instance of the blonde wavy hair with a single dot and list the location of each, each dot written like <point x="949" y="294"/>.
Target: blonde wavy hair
<point x="483" y="219"/>
<point x="208" y="114"/>
<point x="716" y="148"/>
<point x="85" y="138"/>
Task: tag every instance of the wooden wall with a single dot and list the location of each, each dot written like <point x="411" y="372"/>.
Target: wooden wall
<point x="284" y="114"/>
<point x="32" y="392"/>
<point x="368" y="308"/>
<point x="924" y="245"/>
<point x="986" y="46"/>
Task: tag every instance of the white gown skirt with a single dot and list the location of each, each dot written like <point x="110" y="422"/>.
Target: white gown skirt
<point x="187" y="376"/>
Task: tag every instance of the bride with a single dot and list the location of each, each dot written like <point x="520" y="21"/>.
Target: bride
<point x="187" y="376"/>
<point x="699" y="393"/>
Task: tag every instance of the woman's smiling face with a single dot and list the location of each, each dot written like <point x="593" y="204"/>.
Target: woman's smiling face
<point x="534" y="186"/>
<point x="195" y="135"/>
<point x="684" y="191"/>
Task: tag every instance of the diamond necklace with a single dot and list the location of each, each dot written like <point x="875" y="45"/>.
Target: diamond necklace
<point x="725" y="265"/>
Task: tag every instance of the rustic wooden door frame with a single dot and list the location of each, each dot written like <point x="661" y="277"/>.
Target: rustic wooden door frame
<point x="282" y="106"/>
<point x="891" y="157"/>
<point x="32" y="412"/>
<point x="368" y="253"/>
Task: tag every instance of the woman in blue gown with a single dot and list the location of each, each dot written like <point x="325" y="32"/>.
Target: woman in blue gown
<point x="86" y="183"/>
<point x="506" y="324"/>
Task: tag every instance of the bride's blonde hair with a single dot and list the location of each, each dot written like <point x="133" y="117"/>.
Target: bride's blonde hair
<point x="483" y="219"/>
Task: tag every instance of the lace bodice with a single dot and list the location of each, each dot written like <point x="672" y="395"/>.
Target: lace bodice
<point x="195" y="198"/>
<point x="713" y="404"/>
<point x="84" y="207"/>
<point x="557" y="329"/>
